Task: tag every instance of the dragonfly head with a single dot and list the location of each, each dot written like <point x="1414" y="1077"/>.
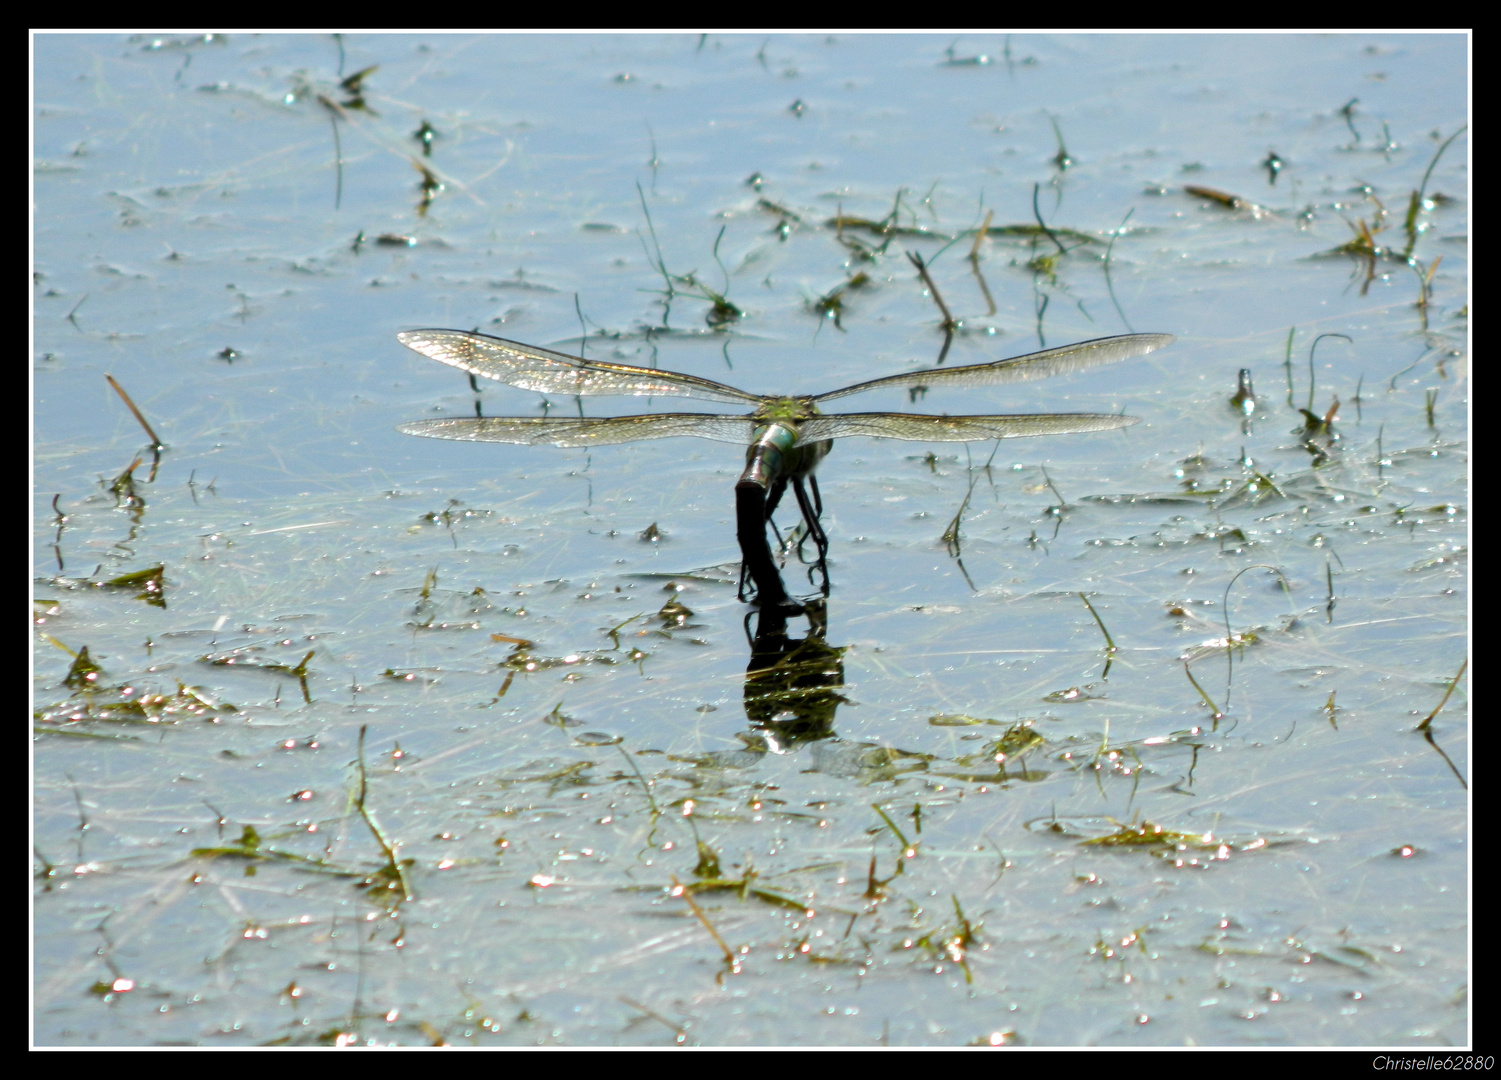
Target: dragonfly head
<point x="786" y="410"/>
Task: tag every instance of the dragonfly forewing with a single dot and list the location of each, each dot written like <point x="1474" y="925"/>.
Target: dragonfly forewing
<point x="548" y="372"/>
<point x="916" y="427"/>
<point x="585" y="431"/>
<point x="1038" y="365"/>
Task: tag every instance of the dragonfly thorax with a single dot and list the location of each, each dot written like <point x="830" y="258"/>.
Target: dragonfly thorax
<point x="775" y="452"/>
<point x="777" y="455"/>
<point x="786" y="410"/>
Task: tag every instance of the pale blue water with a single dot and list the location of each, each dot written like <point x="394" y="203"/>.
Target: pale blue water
<point x="185" y="203"/>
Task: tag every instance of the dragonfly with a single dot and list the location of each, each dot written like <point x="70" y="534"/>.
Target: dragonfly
<point x="785" y="436"/>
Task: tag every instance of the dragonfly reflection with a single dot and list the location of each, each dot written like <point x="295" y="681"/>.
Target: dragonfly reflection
<point x="786" y="437"/>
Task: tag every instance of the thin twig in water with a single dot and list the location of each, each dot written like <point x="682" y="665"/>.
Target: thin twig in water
<point x="1428" y="720"/>
<point x="1426" y="727"/>
<point x="1109" y="285"/>
<point x="656" y="811"/>
<point x="380" y="837"/>
<point x="1043" y="225"/>
<point x="1110" y="649"/>
<point x="156" y="443"/>
<point x="679" y="890"/>
<point x="974" y="262"/>
<point x="1218" y="716"/>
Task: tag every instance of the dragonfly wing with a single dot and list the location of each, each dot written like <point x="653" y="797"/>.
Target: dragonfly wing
<point x="918" y="428"/>
<point x="1038" y="365"/>
<point x="550" y="372"/>
<point x="585" y="431"/>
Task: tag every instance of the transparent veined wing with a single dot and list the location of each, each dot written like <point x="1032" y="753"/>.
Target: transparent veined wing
<point x="915" y="427"/>
<point x="1038" y="365"/>
<point x="548" y="372"/>
<point x="585" y="431"/>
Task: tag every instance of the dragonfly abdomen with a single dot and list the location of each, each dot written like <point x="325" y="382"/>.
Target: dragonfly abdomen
<point x="755" y="553"/>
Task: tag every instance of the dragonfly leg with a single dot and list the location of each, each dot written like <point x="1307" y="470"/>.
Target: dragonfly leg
<point x="810" y="518"/>
<point x="823" y="569"/>
<point x="781" y="544"/>
<point x="774" y="495"/>
<point x="814" y="529"/>
<point x="773" y="499"/>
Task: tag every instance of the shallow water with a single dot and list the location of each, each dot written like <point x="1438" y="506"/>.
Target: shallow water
<point x="939" y="813"/>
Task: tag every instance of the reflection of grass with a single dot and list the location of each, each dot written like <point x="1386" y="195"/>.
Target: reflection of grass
<point x="148" y="585"/>
<point x="252" y="849"/>
<point x="1367" y="250"/>
<point x="128" y="705"/>
<point x="391" y="878"/>
<point x="1262" y="496"/>
<point x="950" y="942"/>
<point x="722" y="313"/>
<point x="95" y="699"/>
